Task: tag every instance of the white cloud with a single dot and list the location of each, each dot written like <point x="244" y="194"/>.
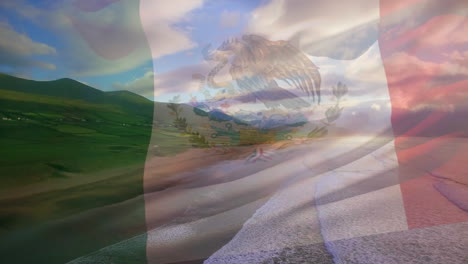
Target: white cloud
<point x="159" y="19"/>
<point x="106" y="41"/>
<point x="142" y="85"/>
<point x="422" y="68"/>
<point x="16" y="50"/>
<point x="324" y="30"/>
<point x="368" y="67"/>
<point x="109" y="38"/>
<point x="229" y="19"/>
<point x="376" y="107"/>
<point x="364" y="76"/>
<point x="178" y="81"/>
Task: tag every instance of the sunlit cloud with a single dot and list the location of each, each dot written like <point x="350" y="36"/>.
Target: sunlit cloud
<point x="92" y="43"/>
<point x="229" y="19"/>
<point x="17" y="50"/>
<point x="376" y="107"/>
<point x="142" y="85"/>
<point x="319" y="28"/>
<point x="159" y="19"/>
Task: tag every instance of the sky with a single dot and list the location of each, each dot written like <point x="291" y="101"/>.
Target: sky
<point x="154" y="48"/>
<point x="102" y="43"/>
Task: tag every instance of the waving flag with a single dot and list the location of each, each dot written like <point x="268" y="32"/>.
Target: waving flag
<point x="278" y="132"/>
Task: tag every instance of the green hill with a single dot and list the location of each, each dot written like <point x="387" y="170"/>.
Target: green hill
<point x="68" y="89"/>
<point x="63" y="88"/>
<point x="58" y="129"/>
<point x="72" y="156"/>
<point x="67" y="148"/>
<point x="51" y="128"/>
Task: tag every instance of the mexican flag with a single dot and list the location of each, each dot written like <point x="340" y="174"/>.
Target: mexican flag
<point x="239" y="172"/>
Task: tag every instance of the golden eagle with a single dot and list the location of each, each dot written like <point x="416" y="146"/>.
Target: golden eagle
<point x="257" y="65"/>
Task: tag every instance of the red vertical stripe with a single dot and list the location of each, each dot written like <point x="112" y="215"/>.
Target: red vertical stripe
<point x="424" y="50"/>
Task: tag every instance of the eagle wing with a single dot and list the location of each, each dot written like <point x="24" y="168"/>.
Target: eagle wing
<point x="266" y="61"/>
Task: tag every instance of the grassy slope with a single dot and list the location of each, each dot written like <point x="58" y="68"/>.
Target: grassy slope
<point x="91" y="142"/>
<point x="71" y="166"/>
<point x="52" y="133"/>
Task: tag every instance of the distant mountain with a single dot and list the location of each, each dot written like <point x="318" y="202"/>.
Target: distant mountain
<point x="69" y="100"/>
<point x="64" y="88"/>
<point x="73" y="90"/>
<point x="67" y="150"/>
